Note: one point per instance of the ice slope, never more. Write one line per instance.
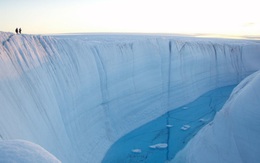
(234, 134)
(19, 151)
(75, 95)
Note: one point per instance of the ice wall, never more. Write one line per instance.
(233, 136)
(76, 95)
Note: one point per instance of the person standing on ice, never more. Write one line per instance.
(16, 30)
(20, 30)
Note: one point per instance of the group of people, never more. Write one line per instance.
(20, 30)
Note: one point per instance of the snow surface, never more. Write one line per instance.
(234, 134)
(20, 151)
(75, 95)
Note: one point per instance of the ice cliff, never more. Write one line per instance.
(75, 95)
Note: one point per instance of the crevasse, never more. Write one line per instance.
(76, 95)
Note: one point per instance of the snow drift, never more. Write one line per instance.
(234, 134)
(76, 95)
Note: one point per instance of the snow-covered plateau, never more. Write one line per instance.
(76, 95)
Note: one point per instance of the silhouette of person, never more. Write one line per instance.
(16, 30)
(20, 30)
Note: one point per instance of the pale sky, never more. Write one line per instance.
(229, 17)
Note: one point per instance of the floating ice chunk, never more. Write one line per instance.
(159, 146)
(203, 120)
(185, 127)
(136, 150)
(163, 145)
(185, 107)
(169, 126)
(152, 146)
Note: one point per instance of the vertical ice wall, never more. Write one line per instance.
(31, 96)
(76, 95)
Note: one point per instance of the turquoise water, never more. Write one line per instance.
(171, 131)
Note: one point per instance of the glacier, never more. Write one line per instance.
(75, 95)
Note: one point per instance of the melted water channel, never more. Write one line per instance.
(160, 140)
